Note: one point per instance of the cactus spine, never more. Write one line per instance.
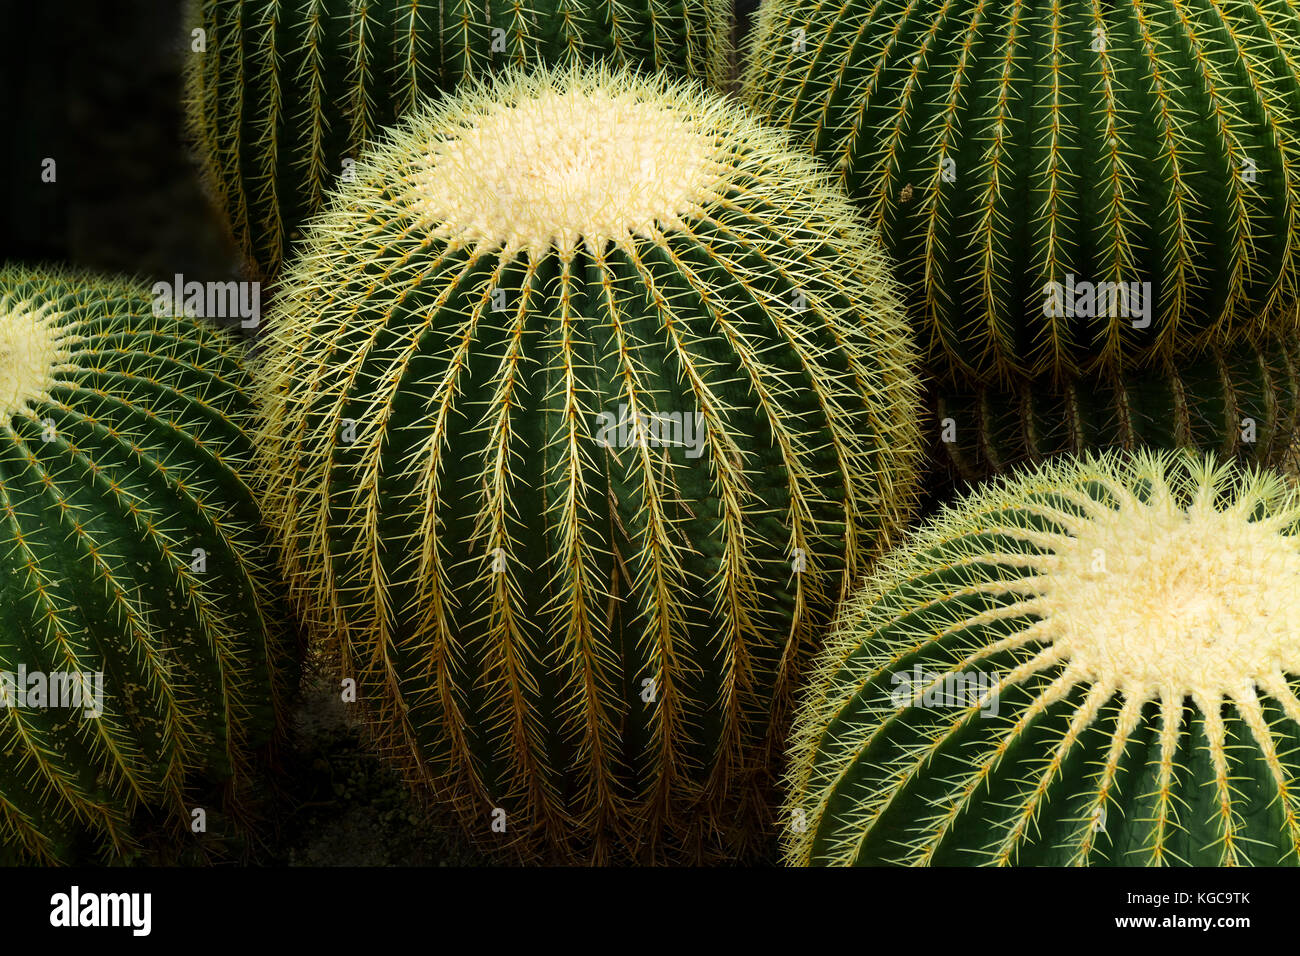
(1009, 152)
(557, 612)
(129, 549)
(1094, 663)
(287, 92)
(1238, 402)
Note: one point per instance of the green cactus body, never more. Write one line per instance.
(588, 627)
(128, 549)
(1009, 152)
(1238, 402)
(287, 92)
(1093, 663)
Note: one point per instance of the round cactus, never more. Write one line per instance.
(1066, 187)
(583, 406)
(1093, 663)
(138, 655)
(283, 94)
(1239, 402)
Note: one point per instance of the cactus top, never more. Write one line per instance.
(1149, 578)
(1151, 597)
(33, 345)
(549, 166)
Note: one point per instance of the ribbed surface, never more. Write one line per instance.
(107, 487)
(289, 89)
(1058, 756)
(1241, 402)
(517, 678)
(1000, 147)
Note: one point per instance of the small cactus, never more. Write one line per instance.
(1096, 662)
(284, 94)
(583, 406)
(1240, 402)
(130, 556)
(1067, 187)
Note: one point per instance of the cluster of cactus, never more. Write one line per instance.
(133, 568)
(1093, 663)
(578, 421)
(1020, 158)
(1239, 402)
(587, 395)
(284, 94)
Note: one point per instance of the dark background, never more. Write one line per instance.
(96, 86)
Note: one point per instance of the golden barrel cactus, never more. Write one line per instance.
(1094, 663)
(583, 405)
(143, 647)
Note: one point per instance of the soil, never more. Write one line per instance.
(340, 804)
